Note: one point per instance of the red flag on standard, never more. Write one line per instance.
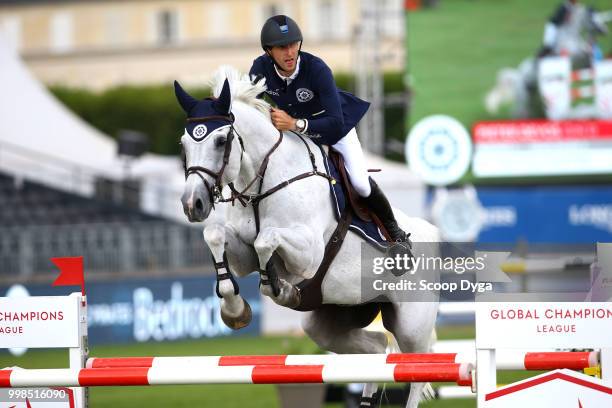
(71, 272)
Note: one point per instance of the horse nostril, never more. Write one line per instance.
(199, 204)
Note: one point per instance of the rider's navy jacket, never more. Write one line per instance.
(313, 95)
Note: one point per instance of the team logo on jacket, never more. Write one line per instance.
(304, 94)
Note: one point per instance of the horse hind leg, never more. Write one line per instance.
(235, 310)
(340, 330)
(412, 325)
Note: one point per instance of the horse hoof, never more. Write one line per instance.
(238, 322)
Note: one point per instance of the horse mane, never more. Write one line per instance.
(242, 89)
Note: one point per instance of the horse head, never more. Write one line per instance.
(211, 151)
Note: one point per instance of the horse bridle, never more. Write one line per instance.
(214, 191)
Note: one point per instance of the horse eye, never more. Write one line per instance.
(220, 141)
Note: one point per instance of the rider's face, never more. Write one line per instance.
(285, 56)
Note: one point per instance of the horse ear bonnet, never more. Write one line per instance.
(194, 108)
(186, 101)
(223, 103)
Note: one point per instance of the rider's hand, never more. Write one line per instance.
(281, 120)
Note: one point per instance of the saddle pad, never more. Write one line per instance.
(367, 230)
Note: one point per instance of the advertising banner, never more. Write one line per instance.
(542, 148)
(546, 214)
(160, 309)
(534, 325)
(46, 321)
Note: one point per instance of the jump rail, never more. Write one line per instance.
(241, 374)
(526, 361)
(452, 366)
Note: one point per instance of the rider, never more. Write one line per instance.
(303, 88)
(561, 18)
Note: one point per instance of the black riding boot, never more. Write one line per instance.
(378, 203)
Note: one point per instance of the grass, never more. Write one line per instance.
(210, 395)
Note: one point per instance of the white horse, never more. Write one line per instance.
(295, 223)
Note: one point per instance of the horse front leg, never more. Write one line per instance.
(235, 310)
(296, 249)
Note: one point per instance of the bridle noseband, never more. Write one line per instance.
(214, 191)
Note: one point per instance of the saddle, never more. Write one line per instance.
(354, 200)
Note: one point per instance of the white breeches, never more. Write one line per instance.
(354, 162)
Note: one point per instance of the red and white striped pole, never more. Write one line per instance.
(521, 361)
(311, 359)
(238, 374)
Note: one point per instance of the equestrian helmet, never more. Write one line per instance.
(279, 30)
